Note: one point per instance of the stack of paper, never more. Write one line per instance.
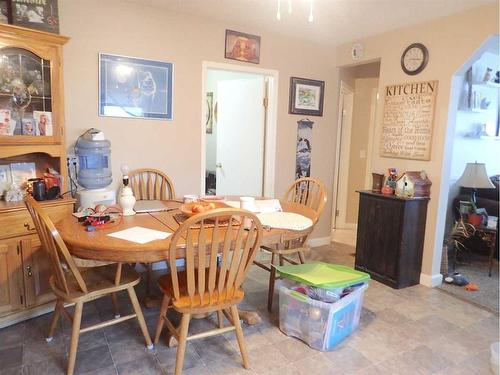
(140, 235)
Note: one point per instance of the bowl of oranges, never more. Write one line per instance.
(194, 208)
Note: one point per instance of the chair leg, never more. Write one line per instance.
(75, 335)
(161, 320)
(239, 336)
(302, 257)
(116, 307)
(140, 317)
(55, 319)
(272, 279)
(181, 347)
(149, 271)
(220, 318)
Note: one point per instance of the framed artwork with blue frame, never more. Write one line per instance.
(135, 88)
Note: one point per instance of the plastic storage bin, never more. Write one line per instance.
(320, 324)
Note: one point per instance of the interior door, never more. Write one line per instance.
(240, 137)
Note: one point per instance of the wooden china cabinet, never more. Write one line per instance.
(30, 80)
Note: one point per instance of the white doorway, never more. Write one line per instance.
(358, 98)
(238, 130)
(346, 103)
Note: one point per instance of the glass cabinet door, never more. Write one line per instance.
(25, 94)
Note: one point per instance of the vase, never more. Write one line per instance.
(127, 201)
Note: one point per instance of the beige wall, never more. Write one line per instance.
(451, 41)
(360, 130)
(127, 29)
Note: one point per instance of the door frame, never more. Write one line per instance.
(340, 174)
(271, 120)
(371, 131)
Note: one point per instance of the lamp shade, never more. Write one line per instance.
(475, 177)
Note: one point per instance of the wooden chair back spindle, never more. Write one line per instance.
(210, 280)
(309, 192)
(61, 260)
(151, 184)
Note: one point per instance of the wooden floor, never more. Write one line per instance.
(412, 331)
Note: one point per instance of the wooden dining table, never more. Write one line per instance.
(99, 246)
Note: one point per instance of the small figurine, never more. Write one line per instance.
(392, 177)
(14, 194)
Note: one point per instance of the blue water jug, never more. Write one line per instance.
(94, 160)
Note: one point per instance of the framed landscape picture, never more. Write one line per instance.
(135, 88)
(306, 96)
(242, 47)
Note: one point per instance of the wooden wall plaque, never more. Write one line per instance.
(408, 120)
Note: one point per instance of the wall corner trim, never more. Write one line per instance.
(431, 280)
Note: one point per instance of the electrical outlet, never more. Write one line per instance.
(71, 158)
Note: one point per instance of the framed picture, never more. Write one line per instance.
(135, 88)
(7, 125)
(43, 122)
(5, 178)
(5, 11)
(306, 96)
(21, 173)
(40, 15)
(209, 123)
(28, 126)
(242, 47)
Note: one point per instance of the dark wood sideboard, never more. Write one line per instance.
(390, 238)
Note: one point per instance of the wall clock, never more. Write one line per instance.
(414, 59)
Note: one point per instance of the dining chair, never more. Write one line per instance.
(307, 192)
(150, 184)
(74, 286)
(218, 249)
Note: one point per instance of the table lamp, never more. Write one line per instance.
(475, 177)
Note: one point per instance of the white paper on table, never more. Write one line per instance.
(285, 220)
(140, 235)
(261, 205)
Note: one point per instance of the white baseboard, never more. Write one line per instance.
(431, 280)
(319, 241)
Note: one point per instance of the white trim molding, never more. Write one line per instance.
(431, 280)
(319, 241)
(271, 123)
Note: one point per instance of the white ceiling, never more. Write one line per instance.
(335, 21)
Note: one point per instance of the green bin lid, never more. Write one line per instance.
(323, 275)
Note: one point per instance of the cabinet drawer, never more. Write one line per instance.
(19, 223)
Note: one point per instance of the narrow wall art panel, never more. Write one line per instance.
(304, 149)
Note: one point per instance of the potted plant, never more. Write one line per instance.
(460, 232)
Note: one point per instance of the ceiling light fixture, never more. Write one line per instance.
(290, 9)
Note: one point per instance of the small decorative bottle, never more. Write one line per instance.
(126, 199)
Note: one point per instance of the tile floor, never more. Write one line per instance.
(412, 331)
